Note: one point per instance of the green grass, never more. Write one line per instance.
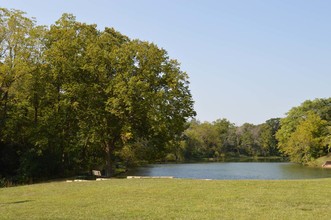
(169, 199)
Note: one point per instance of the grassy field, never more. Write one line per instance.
(169, 199)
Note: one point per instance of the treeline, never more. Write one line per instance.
(74, 98)
(223, 139)
(303, 135)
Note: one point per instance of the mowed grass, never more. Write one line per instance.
(169, 199)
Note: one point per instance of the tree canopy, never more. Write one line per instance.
(75, 98)
(222, 139)
(305, 131)
(79, 98)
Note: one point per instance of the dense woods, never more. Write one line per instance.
(222, 139)
(74, 98)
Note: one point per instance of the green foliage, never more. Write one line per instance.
(223, 139)
(267, 138)
(202, 141)
(75, 98)
(304, 132)
(306, 142)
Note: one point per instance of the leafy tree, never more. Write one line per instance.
(15, 46)
(226, 132)
(202, 141)
(327, 139)
(150, 98)
(67, 89)
(306, 142)
(267, 137)
(315, 115)
(248, 139)
(223, 139)
(21, 49)
(73, 97)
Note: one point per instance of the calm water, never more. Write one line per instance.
(233, 170)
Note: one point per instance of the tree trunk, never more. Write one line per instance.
(5, 99)
(35, 105)
(109, 160)
(35, 115)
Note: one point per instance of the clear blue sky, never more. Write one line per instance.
(248, 60)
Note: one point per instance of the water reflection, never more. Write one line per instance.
(233, 170)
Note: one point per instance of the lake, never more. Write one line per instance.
(232, 171)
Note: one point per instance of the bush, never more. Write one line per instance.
(5, 182)
(170, 157)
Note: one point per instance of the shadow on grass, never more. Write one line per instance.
(16, 202)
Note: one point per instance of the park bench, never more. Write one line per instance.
(96, 173)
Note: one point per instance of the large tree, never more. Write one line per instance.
(120, 90)
(75, 97)
(21, 49)
(303, 133)
(16, 67)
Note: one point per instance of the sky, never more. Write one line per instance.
(248, 60)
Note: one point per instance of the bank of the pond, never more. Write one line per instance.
(320, 161)
(241, 158)
(168, 199)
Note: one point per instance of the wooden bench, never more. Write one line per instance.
(96, 173)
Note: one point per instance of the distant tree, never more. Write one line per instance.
(203, 141)
(226, 133)
(267, 137)
(222, 138)
(247, 139)
(327, 139)
(308, 121)
(306, 142)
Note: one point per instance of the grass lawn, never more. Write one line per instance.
(169, 199)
